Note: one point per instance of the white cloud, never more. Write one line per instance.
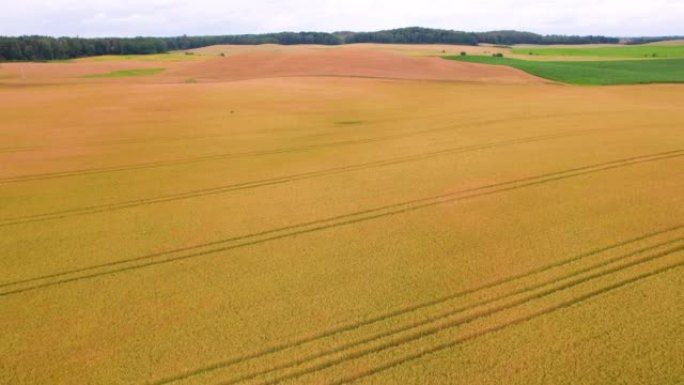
(175, 17)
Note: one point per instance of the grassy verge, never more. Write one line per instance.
(627, 52)
(127, 73)
(593, 72)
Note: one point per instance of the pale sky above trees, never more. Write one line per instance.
(91, 18)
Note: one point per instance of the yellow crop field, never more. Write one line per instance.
(433, 222)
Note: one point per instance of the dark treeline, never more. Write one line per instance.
(413, 35)
(517, 37)
(646, 40)
(39, 48)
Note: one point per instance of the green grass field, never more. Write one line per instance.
(593, 72)
(128, 73)
(632, 51)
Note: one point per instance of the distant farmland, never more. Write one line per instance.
(630, 51)
(358, 214)
(127, 73)
(593, 72)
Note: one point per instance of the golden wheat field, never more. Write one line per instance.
(234, 221)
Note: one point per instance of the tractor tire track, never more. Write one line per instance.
(94, 209)
(459, 322)
(18, 149)
(200, 159)
(493, 329)
(348, 219)
(406, 310)
(445, 315)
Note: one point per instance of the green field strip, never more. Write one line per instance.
(630, 51)
(592, 72)
(127, 73)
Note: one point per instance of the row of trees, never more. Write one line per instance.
(412, 35)
(517, 37)
(40, 48)
(37, 48)
(646, 40)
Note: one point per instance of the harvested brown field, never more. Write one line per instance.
(28, 74)
(365, 63)
(418, 50)
(337, 216)
(265, 63)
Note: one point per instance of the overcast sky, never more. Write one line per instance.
(91, 18)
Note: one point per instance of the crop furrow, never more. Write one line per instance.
(200, 159)
(493, 329)
(103, 208)
(358, 217)
(407, 310)
(459, 322)
(446, 315)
